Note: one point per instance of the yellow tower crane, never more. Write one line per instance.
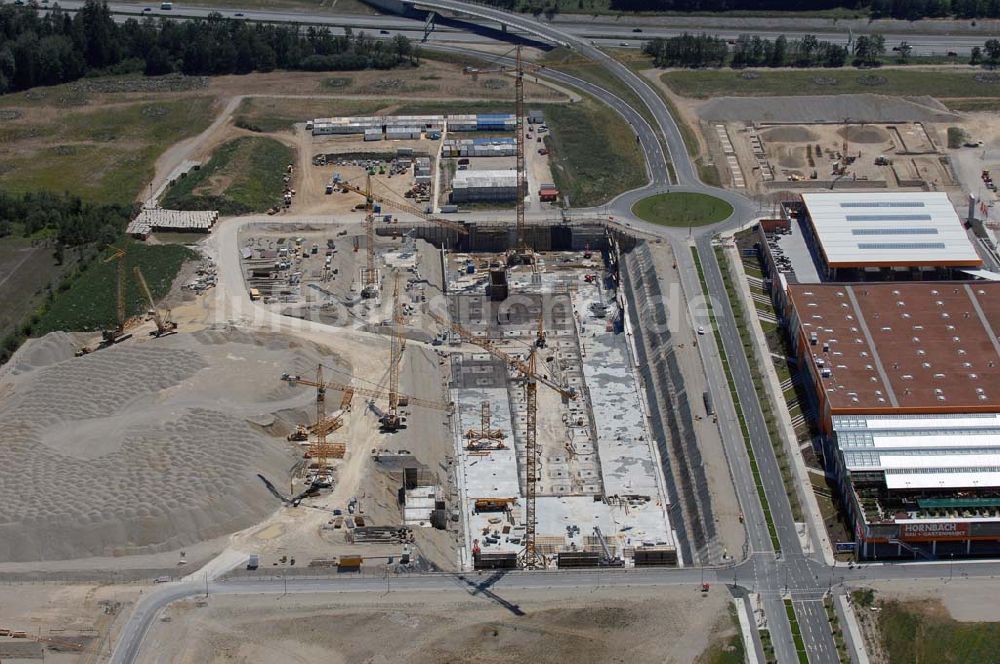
(522, 253)
(392, 421)
(529, 371)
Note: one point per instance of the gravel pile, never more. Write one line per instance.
(142, 447)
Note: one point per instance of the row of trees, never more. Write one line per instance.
(58, 48)
(731, 5)
(753, 51)
(912, 10)
(69, 220)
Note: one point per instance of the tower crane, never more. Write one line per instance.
(485, 438)
(402, 400)
(404, 207)
(528, 370)
(370, 276)
(522, 252)
(164, 325)
(392, 421)
(320, 450)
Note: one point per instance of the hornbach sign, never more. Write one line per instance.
(933, 531)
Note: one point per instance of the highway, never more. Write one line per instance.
(603, 31)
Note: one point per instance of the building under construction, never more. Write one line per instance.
(600, 491)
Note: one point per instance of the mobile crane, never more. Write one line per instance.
(164, 325)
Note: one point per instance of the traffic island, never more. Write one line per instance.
(682, 209)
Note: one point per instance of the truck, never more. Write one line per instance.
(167, 6)
(253, 562)
(449, 209)
(349, 563)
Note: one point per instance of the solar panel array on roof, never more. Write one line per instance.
(894, 231)
(839, 219)
(901, 245)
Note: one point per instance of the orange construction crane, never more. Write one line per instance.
(164, 325)
(402, 400)
(529, 372)
(319, 450)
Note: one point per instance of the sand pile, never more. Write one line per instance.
(867, 134)
(144, 447)
(790, 134)
(35, 353)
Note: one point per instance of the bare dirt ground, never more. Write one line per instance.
(725, 507)
(581, 626)
(75, 614)
(966, 600)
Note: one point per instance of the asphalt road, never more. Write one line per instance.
(605, 31)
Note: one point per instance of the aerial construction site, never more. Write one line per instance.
(413, 362)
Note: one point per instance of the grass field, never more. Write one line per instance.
(268, 114)
(102, 153)
(593, 152)
(987, 104)
(569, 62)
(26, 272)
(703, 84)
(243, 176)
(682, 209)
(455, 108)
(89, 303)
(916, 632)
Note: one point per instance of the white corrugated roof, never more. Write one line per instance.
(941, 461)
(885, 228)
(485, 179)
(924, 422)
(947, 441)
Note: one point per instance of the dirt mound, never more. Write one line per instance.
(143, 447)
(867, 134)
(790, 134)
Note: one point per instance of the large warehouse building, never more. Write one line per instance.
(858, 232)
(866, 236)
(473, 186)
(906, 380)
